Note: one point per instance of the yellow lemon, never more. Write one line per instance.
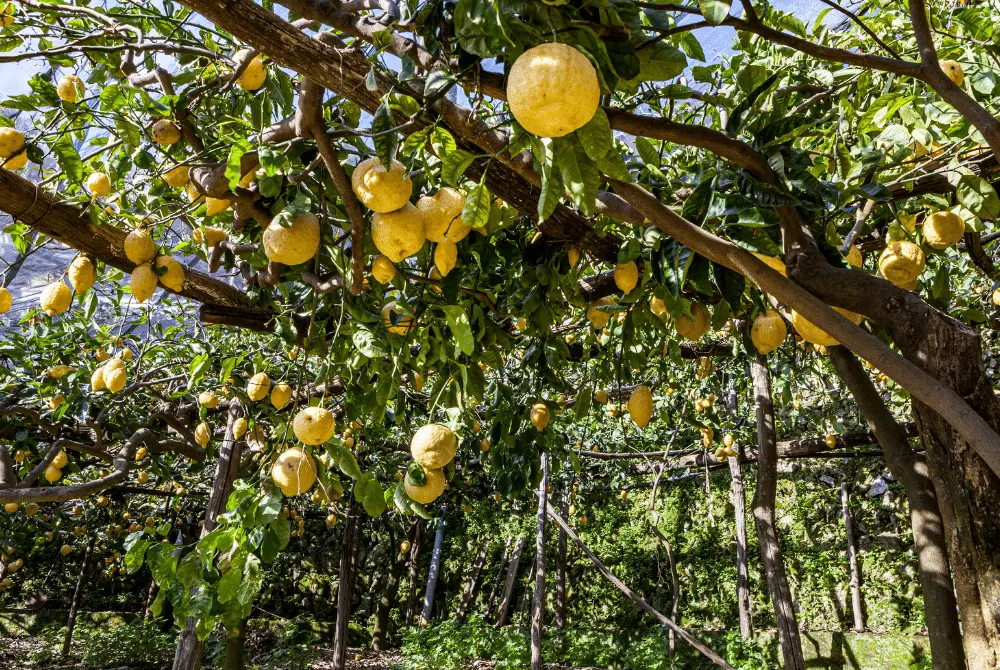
(694, 326)
(56, 298)
(381, 190)
(143, 282)
(255, 73)
(294, 472)
(404, 324)
(640, 405)
(831, 440)
(203, 434)
(430, 491)
(139, 246)
(854, 257)
(6, 300)
(60, 371)
(433, 446)
(165, 132)
(55, 401)
(115, 375)
(573, 256)
(774, 263)
(810, 333)
(295, 244)
(81, 274)
(314, 425)
(442, 215)
(768, 331)
(901, 262)
(954, 71)
(52, 474)
(445, 257)
(98, 184)
(11, 142)
(239, 428)
(215, 206)
(943, 229)
(97, 380)
(539, 416)
(258, 386)
(281, 395)
(208, 399)
(597, 318)
(552, 90)
(626, 276)
(173, 278)
(601, 396)
(69, 88)
(212, 236)
(398, 234)
(177, 176)
(656, 306)
(383, 270)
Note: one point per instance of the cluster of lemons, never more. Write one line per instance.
(432, 447)
(57, 296)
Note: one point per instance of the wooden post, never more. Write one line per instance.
(529, 587)
(345, 588)
(472, 585)
(411, 595)
(74, 605)
(538, 606)
(675, 583)
(738, 498)
(508, 588)
(852, 558)
(390, 589)
(561, 569)
(763, 512)
(494, 591)
(432, 574)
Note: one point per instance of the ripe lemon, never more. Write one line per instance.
(143, 282)
(115, 375)
(901, 262)
(215, 206)
(445, 257)
(239, 428)
(98, 184)
(573, 256)
(16, 162)
(203, 434)
(774, 263)
(768, 331)
(381, 190)
(208, 399)
(52, 474)
(60, 371)
(11, 143)
(539, 416)
(193, 194)
(56, 298)
(97, 380)
(69, 88)
(81, 274)
(139, 246)
(55, 401)
(173, 278)
(552, 90)
(399, 234)
(433, 446)
(707, 436)
(430, 491)
(597, 318)
(382, 269)
(626, 277)
(954, 71)
(61, 459)
(728, 440)
(6, 300)
(442, 214)
(295, 244)
(656, 306)
(255, 73)
(281, 395)
(601, 396)
(943, 229)
(258, 386)
(640, 405)
(177, 176)
(314, 425)
(811, 333)
(831, 440)
(854, 257)
(212, 236)
(294, 472)
(404, 547)
(695, 326)
(165, 132)
(405, 321)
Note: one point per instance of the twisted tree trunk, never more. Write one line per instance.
(74, 605)
(852, 559)
(538, 605)
(508, 589)
(390, 590)
(738, 497)
(345, 587)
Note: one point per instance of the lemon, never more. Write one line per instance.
(55, 401)
(774, 263)
(193, 194)
(11, 143)
(552, 90)
(7, 14)
(573, 256)
(281, 395)
(215, 206)
(139, 246)
(854, 257)
(442, 214)
(165, 132)
(694, 326)
(143, 282)
(943, 229)
(626, 276)
(61, 459)
(430, 491)
(314, 425)
(239, 428)
(601, 396)
(15, 162)
(954, 71)
(173, 278)
(203, 434)
(81, 274)
(539, 416)
(831, 440)
(69, 88)
(6, 300)
(208, 399)
(597, 318)
(656, 306)
(707, 436)
(255, 73)
(811, 333)
(115, 375)
(433, 446)
(60, 371)
(177, 176)
(294, 472)
(98, 184)
(97, 380)
(383, 270)
(728, 440)
(405, 321)
(445, 257)
(56, 298)
(212, 236)
(258, 386)
(901, 262)
(295, 244)
(768, 331)
(640, 405)
(399, 234)
(381, 190)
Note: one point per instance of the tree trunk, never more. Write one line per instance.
(738, 497)
(74, 605)
(561, 569)
(763, 512)
(508, 588)
(345, 587)
(538, 604)
(495, 590)
(411, 596)
(852, 559)
(390, 589)
(675, 583)
(929, 539)
(472, 585)
(432, 574)
(529, 587)
(147, 612)
(235, 646)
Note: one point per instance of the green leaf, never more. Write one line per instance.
(230, 582)
(415, 475)
(595, 137)
(384, 135)
(136, 552)
(715, 11)
(367, 343)
(438, 82)
(454, 165)
(661, 62)
(282, 530)
(552, 186)
(236, 152)
(461, 330)
(476, 211)
(979, 196)
(368, 492)
(579, 174)
(68, 158)
(478, 28)
(197, 368)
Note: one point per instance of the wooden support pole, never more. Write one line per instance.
(561, 569)
(738, 497)
(852, 558)
(472, 585)
(432, 573)
(345, 588)
(495, 590)
(508, 588)
(411, 595)
(390, 589)
(74, 605)
(538, 602)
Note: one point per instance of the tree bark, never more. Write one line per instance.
(74, 605)
(235, 646)
(929, 537)
(508, 588)
(538, 604)
(738, 497)
(472, 585)
(345, 588)
(432, 574)
(495, 590)
(560, 613)
(852, 559)
(763, 512)
(390, 590)
(411, 596)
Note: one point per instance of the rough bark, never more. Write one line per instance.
(763, 512)
(508, 589)
(738, 497)
(74, 605)
(495, 590)
(390, 591)
(560, 613)
(538, 603)
(345, 587)
(432, 574)
(852, 559)
(411, 596)
(235, 646)
(929, 537)
(472, 584)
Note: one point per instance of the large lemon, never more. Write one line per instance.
(405, 321)
(115, 375)
(943, 229)
(901, 262)
(81, 274)
(294, 472)
(433, 446)
(383, 270)
(442, 214)
(281, 395)
(445, 257)
(258, 386)
(768, 331)
(597, 318)
(11, 142)
(381, 190)
(173, 278)
(203, 434)
(165, 132)
(255, 73)
(139, 246)
(295, 244)
(810, 333)
(640, 405)
(98, 184)
(954, 71)
(69, 88)
(143, 282)
(314, 425)
(56, 298)
(626, 276)
(430, 491)
(552, 90)
(399, 234)
(6, 300)
(97, 380)
(694, 326)
(212, 236)
(177, 176)
(539, 416)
